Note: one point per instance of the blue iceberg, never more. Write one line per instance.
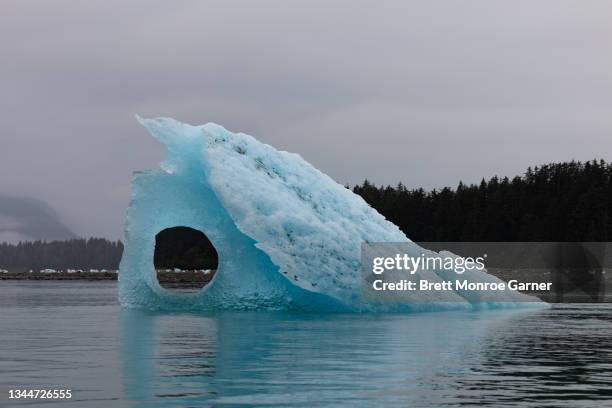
(288, 236)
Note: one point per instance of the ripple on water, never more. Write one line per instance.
(74, 335)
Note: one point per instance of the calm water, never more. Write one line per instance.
(74, 335)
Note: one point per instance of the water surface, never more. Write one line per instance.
(74, 335)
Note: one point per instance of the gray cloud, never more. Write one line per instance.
(29, 218)
(423, 92)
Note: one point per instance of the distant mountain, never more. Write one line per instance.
(29, 218)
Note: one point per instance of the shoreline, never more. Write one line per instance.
(162, 276)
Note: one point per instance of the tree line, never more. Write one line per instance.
(564, 202)
(92, 253)
(561, 202)
(177, 247)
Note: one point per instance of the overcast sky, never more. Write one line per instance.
(423, 92)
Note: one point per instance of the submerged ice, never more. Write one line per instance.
(287, 235)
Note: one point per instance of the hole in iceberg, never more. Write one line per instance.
(185, 260)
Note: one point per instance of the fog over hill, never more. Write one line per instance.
(25, 218)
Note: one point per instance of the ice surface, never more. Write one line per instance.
(287, 235)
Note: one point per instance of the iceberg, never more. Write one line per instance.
(287, 235)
